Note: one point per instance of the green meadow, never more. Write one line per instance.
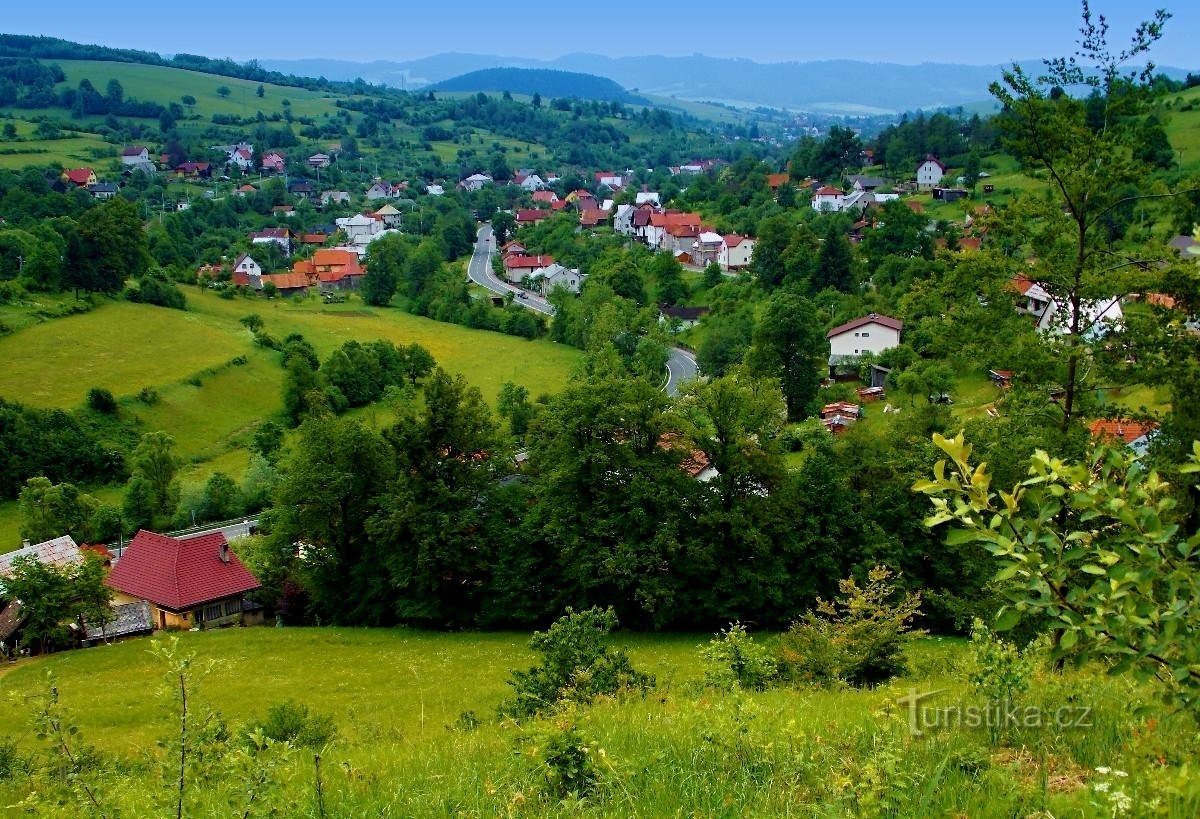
(417, 734)
(214, 385)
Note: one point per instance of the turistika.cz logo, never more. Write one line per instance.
(923, 716)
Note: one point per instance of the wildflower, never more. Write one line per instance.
(1103, 770)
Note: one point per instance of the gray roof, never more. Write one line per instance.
(61, 551)
(128, 618)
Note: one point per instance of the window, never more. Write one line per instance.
(212, 612)
(232, 607)
(866, 335)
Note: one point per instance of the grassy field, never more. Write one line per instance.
(161, 84)
(76, 149)
(403, 749)
(210, 404)
(1183, 127)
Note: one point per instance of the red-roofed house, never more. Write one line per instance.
(777, 180)
(531, 216)
(828, 199)
(736, 252)
(135, 155)
(545, 197)
(332, 269)
(273, 162)
(80, 177)
(872, 333)
(195, 582)
(1134, 434)
(592, 217)
(287, 284)
(519, 266)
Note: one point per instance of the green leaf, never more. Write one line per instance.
(1069, 639)
(1008, 618)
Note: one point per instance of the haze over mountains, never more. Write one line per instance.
(828, 86)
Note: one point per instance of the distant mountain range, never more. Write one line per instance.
(547, 82)
(828, 86)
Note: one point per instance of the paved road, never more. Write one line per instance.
(681, 365)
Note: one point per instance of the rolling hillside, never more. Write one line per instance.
(542, 81)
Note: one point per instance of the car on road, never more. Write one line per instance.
(522, 295)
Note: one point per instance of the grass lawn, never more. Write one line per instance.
(1183, 127)
(396, 697)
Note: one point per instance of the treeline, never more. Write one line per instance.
(948, 137)
(53, 48)
(55, 444)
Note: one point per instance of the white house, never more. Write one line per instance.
(870, 334)
(828, 199)
(246, 264)
(1054, 316)
(643, 197)
(929, 173)
(706, 248)
(279, 236)
(359, 229)
(434, 190)
(623, 220)
(242, 157)
(554, 276)
(382, 190)
(135, 155)
(533, 182)
(736, 252)
(475, 182)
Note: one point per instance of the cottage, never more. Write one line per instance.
(518, 267)
(319, 161)
(1052, 315)
(544, 197)
(103, 190)
(555, 276)
(194, 170)
(284, 211)
(278, 235)
(135, 155)
(242, 157)
(681, 317)
(389, 215)
(80, 177)
(188, 583)
(302, 187)
(829, 199)
(360, 229)
(1136, 435)
(592, 217)
(273, 163)
(645, 197)
(246, 190)
(334, 198)
(475, 182)
(929, 173)
(247, 272)
(872, 333)
(736, 252)
(435, 190)
(532, 182)
(332, 269)
(60, 551)
(287, 284)
(775, 181)
(866, 183)
(610, 180)
(530, 216)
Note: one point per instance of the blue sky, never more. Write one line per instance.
(764, 30)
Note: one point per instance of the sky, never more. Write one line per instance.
(964, 31)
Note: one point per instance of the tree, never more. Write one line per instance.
(513, 404)
(223, 91)
(113, 241)
(416, 362)
(154, 462)
(767, 262)
(260, 91)
(712, 275)
(114, 93)
(971, 170)
(222, 498)
(668, 274)
(268, 439)
(504, 225)
(386, 262)
(790, 345)
(537, 100)
(188, 100)
(834, 265)
(1093, 551)
(1084, 149)
(51, 510)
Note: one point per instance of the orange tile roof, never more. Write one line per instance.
(1123, 429)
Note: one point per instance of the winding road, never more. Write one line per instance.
(681, 365)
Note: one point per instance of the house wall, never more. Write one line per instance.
(735, 258)
(870, 338)
(928, 175)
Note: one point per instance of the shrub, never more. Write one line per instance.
(733, 658)
(565, 758)
(148, 396)
(576, 665)
(1001, 671)
(101, 400)
(10, 762)
(292, 722)
(859, 639)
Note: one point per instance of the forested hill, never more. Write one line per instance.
(543, 81)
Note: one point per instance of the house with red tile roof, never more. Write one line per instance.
(592, 217)
(80, 177)
(872, 333)
(332, 269)
(531, 216)
(736, 252)
(1132, 433)
(518, 266)
(287, 284)
(829, 199)
(195, 582)
(545, 197)
(929, 173)
(777, 180)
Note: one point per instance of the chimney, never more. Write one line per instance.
(25, 544)
(223, 552)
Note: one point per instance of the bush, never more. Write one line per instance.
(10, 762)
(565, 758)
(859, 640)
(733, 658)
(576, 665)
(101, 400)
(148, 396)
(292, 722)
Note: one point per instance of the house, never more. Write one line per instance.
(513, 247)
(1134, 434)
(80, 177)
(247, 272)
(544, 197)
(59, 551)
(273, 163)
(194, 170)
(736, 252)
(592, 217)
(693, 461)
(608, 179)
(280, 236)
(707, 247)
(332, 269)
(135, 155)
(246, 190)
(382, 190)
(929, 173)
(287, 284)
(666, 230)
(389, 216)
(828, 199)
(359, 228)
(872, 333)
(435, 190)
(195, 582)
(556, 276)
(518, 267)
(949, 194)
(532, 182)
(866, 183)
(1054, 316)
(314, 238)
(103, 190)
(319, 161)
(531, 216)
(283, 211)
(645, 197)
(687, 317)
(475, 182)
(1186, 246)
(242, 157)
(302, 187)
(334, 198)
(1001, 378)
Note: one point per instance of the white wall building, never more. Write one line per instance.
(870, 334)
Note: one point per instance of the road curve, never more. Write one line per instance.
(681, 365)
